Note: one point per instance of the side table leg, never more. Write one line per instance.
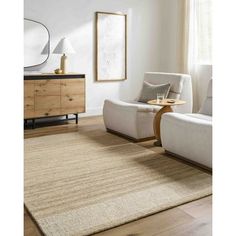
(157, 123)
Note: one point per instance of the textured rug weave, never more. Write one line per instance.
(82, 183)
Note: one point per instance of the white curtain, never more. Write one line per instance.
(197, 43)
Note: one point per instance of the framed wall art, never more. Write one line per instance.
(111, 46)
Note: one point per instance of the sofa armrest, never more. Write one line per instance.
(187, 136)
(183, 120)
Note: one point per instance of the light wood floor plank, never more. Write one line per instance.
(199, 209)
(151, 225)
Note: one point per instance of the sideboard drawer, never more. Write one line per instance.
(72, 104)
(29, 103)
(72, 86)
(47, 112)
(28, 114)
(47, 102)
(28, 99)
(47, 87)
(28, 89)
(71, 101)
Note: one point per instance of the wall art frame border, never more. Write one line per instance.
(97, 49)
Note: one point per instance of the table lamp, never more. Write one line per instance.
(64, 47)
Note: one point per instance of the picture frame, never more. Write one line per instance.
(111, 46)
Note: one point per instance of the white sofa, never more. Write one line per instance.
(190, 135)
(134, 119)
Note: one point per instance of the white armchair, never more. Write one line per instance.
(134, 119)
(190, 135)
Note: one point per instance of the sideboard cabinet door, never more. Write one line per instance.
(72, 96)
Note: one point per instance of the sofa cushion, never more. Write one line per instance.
(149, 91)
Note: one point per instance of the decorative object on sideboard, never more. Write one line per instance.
(111, 46)
(64, 47)
(58, 71)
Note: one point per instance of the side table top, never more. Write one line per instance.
(167, 102)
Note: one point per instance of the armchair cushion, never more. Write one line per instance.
(149, 91)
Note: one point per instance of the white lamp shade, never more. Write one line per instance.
(64, 46)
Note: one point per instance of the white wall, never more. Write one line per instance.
(205, 74)
(76, 19)
(170, 14)
(170, 31)
(154, 41)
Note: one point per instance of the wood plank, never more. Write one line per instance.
(28, 89)
(72, 101)
(199, 209)
(28, 114)
(198, 227)
(28, 82)
(152, 225)
(29, 103)
(28, 99)
(47, 112)
(44, 82)
(72, 86)
(29, 227)
(73, 110)
(47, 87)
(47, 102)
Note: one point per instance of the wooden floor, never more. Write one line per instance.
(191, 219)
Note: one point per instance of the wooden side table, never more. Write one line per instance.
(166, 107)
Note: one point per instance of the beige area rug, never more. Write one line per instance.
(86, 182)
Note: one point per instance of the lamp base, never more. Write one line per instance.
(63, 63)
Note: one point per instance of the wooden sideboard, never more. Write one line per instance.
(47, 95)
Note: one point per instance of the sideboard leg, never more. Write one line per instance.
(76, 118)
(67, 117)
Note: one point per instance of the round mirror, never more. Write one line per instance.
(36, 43)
